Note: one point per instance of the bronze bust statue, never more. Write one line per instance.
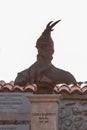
(43, 73)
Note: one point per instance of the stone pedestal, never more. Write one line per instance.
(44, 112)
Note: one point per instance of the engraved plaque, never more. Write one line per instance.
(14, 111)
(14, 102)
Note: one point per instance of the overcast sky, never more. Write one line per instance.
(23, 21)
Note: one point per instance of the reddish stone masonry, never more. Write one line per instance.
(59, 88)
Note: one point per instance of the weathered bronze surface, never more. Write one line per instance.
(43, 73)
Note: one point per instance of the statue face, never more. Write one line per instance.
(45, 49)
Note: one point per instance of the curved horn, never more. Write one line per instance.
(54, 24)
(49, 27)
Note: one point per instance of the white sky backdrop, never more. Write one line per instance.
(23, 21)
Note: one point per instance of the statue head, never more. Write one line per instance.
(45, 44)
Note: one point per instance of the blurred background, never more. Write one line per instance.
(23, 21)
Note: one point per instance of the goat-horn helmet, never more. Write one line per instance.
(45, 38)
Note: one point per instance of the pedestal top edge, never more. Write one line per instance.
(44, 97)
